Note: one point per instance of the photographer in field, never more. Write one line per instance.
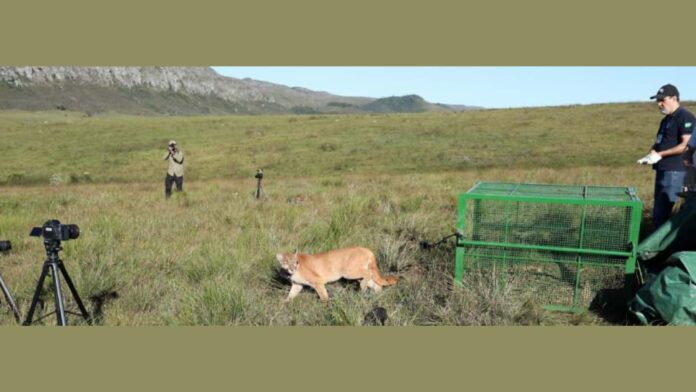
(666, 154)
(175, 170)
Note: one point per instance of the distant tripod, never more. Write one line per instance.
(10, 301)
(55, 265)
(259, 188)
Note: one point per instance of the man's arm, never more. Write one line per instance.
(676, 150)
(179, 155)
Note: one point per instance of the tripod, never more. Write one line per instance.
(259, 188)
(55, 265)
(10, 301)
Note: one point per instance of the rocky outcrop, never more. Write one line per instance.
(188, 80)
(169, 90)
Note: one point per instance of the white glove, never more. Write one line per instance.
(650, 159)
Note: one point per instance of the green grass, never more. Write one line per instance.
(206, 257)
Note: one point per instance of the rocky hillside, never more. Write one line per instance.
(175, 91)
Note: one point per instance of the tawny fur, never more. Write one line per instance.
(316, 270)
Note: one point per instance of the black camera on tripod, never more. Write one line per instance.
(53, 230)
(259, 174)
(5, 246)
(53, 233)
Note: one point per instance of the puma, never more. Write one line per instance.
(316, 270)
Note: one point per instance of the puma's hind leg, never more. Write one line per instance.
(374, 286)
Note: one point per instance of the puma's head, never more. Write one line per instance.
(288, 261)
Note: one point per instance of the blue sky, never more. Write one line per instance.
(491, 87)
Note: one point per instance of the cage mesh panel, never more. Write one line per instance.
(607, 228)
(536, 223)
(540, 215)
(547, 277)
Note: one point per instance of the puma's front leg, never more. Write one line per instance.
(294, 290)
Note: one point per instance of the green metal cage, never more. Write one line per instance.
(563, 243)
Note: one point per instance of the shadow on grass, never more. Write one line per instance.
(98, 302)
(377, 316)
(611, 305)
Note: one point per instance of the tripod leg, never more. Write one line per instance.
(10, 301)
(60, 311)
(37, 294)
(75, 295)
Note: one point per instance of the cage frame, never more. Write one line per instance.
(632, 202)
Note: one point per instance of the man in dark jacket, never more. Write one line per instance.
(666, 154)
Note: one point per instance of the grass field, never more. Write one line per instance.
(207, 256)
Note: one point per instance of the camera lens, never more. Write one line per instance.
(73, 231)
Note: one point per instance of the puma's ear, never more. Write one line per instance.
(280, 257)
(296, 251)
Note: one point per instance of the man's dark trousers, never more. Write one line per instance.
(168, 184)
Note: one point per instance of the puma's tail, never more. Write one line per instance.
(379, 279)
(386, 281)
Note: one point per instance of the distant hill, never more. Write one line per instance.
(178, 91)
(407, 103)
